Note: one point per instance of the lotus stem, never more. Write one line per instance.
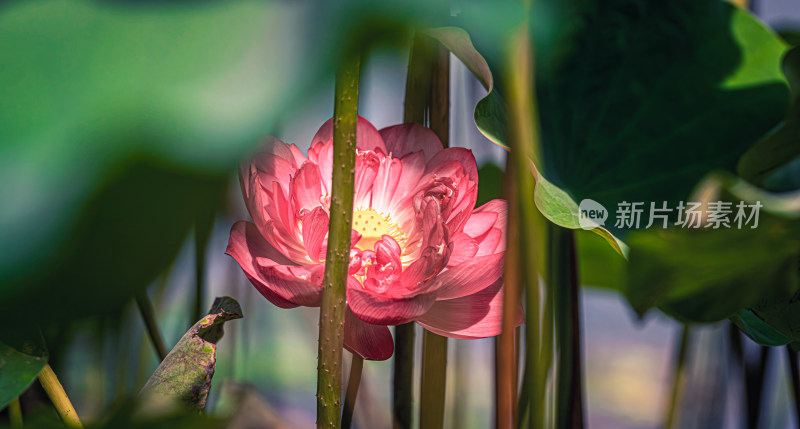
(795, 372)
(527, 244)
(677, 381)
(353, 382)
(202, 233)
(334, 282)
(402, 394)
(563, 280)
(434, 381)
(433, 385)
(148, 316)
(59, 397)
(15, 413)
(417, 100)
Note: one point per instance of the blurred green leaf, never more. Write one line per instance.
(119, 125)
(774, 162)
(126, 234)
(186, 372)
(638, 100)
(21, 360)
(706, 275)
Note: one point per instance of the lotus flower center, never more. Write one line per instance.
(373, 226)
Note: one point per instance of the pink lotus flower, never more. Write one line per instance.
(420, 251)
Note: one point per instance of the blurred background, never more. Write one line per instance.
(628, 361)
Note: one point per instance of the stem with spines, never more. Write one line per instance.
(334, 283)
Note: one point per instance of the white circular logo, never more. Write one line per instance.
(591, 214)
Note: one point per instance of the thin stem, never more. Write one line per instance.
(434, 347)
(792, 355)
(148, 316)
(737, 355)
(59, 397)
(461, 385)
(505, 368)
(754, 386)
(417, 100)
(440, 93)
(677, 381)
(202, 231)
(434, 381)
(353, 382)
(15, 413)
(332, 305)
(524, 402)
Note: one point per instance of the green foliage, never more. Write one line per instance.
(706, 275)
(639, 100)
(774, 162)
(21, 360)
(186, 372)
(654, 95)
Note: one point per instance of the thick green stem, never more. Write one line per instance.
(148, 316)
(434, 381)
(59, 397)
(678, 380)
(527, 237)
(356, 367)
(15, 413)
(334, 282)
(563, 280)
